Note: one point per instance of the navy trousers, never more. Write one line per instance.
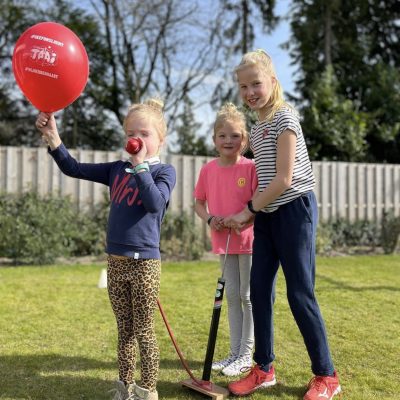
(286, 237)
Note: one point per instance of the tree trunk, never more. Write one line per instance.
(245, 39)
(328, 34)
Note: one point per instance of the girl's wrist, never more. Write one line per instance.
(53, 143)
(136, 161)
(138, 168)
(250, 208)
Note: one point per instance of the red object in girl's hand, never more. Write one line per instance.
(133, 145)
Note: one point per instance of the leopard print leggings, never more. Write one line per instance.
(133, 288)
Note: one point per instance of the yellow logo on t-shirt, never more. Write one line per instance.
(241, 182)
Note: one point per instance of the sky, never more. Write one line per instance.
(280, 57)
(271, 43)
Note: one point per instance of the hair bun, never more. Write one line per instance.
(155, 102)
(261, 51)
(227, 108)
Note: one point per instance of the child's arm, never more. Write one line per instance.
(156, 192)
(200, 207)
(286, 151)
(99, 172)
(46, 124)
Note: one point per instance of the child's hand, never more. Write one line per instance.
(238, 221)
(46, 124)
(229, 225)
(140, 156)
(217, 223)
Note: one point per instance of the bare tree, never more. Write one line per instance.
(157, 47)
(243, 20)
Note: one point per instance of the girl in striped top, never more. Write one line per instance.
(286, 217)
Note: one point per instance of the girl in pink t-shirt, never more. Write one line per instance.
(224, 187)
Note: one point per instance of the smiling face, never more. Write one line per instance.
(229, 140)
(145, 128)
(256, 88)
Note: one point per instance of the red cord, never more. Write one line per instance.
(183, 361)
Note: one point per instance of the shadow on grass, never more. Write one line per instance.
(56, 376)
(52, 376)
(170, 390)
(280, 389)
(343, 285)
(176, 364)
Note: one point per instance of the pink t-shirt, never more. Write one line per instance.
(227, 191)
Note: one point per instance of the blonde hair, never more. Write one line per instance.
(260, 59)
(229, 112)
(152, 109)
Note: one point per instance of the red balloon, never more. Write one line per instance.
(50, 65)
(133, 145)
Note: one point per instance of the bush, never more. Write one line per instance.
(89, 237)
(37, 230)
(180, 239)
(323, 243)
(348, 236)
(31, 227)
(390, 232)
(344, 233)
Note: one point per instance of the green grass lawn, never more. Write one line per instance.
(58, 334)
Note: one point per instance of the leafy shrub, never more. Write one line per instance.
(37, 230)
(323, 243)
(390, 232)
(33, 230)
(89, 237)
(180, 239)
(345, 235)
(358, 233)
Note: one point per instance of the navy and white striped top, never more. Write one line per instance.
(263, 141)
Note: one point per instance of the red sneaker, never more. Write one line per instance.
(257, 378)
(323, 387)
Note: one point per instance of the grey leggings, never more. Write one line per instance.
(237, 288)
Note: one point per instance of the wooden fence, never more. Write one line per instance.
(353, 191)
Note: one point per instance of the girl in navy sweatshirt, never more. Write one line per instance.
(140, 190)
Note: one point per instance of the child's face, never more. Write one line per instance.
(255, 87)
(229, 140)
(142, 127)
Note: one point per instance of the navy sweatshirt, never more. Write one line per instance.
(138, 202)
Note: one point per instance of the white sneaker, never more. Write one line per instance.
(122, 391)
(220, 365)
(240, 365)
(140, 393)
